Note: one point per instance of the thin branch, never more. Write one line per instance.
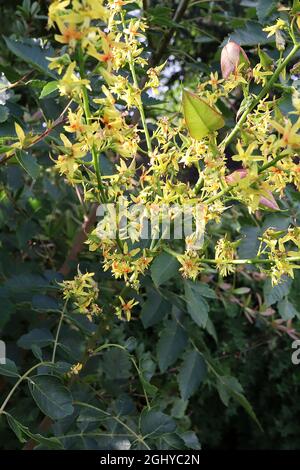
(260, 96)
(79, 241)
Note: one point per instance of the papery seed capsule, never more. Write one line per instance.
(280, 41)
(236, 175)
(232, 56)
(268, 200)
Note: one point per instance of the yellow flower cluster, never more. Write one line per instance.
(106, 120)
(83, 292)
(283, 259)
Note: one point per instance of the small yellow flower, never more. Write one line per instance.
(75, 369)
(70, 84)
(126, 308)
(224, 253)
(246, 155)
(271, 30)
(290, 133)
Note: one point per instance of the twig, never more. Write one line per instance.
(78, 243)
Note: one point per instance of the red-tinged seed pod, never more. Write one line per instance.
(232, 56)
(236, 175)
(268, 200)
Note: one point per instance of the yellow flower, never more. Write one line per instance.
(224, 253)
(91, 10)
(67, 162)
(290, 135)
(70, 84)
(259, 75)
(69, 34)
(190, 266)
(271, 30)
(75, 369)
(77, 125)
(56, 7)
(133, 29)
(126, 308)
(214, 80)
(246, 155)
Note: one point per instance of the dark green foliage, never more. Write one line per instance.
(198, 365)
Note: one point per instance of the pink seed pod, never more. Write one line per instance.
(268, 200)
(232, 56)
(236, 175)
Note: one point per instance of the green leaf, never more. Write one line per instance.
(201, 118)
(9, 369)
(23, 433)
(45, 303)
(179, 408)
(249, 35)
(241, 290)
(4, 112)
(295, 7)
(116, 364)
(24, 284)
(264, 8)
(149, 388)
(273, 294)
(28, 162)
(164, 268)
(40, 337)
(197, 306)
(155, 423)
(171, 343)
(264, 58)
(249, 244)
(191, 440)
(286, 309)
(204, 290)
(53, 399)
(32, 53)
(230, 387)
(160, 16)
(191, 374)
(154, 309)
(49, 88)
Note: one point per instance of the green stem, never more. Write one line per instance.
(260, 170)
(88, 116)
(116, 418)
(260, 96)
(234, 261)
(270, 163)
(218, 196)
(118, 346)
(243, 118)
(58, 331)
(24, 376)
(136, 85)
(140, 107)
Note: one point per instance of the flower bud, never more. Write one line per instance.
(232, 56)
